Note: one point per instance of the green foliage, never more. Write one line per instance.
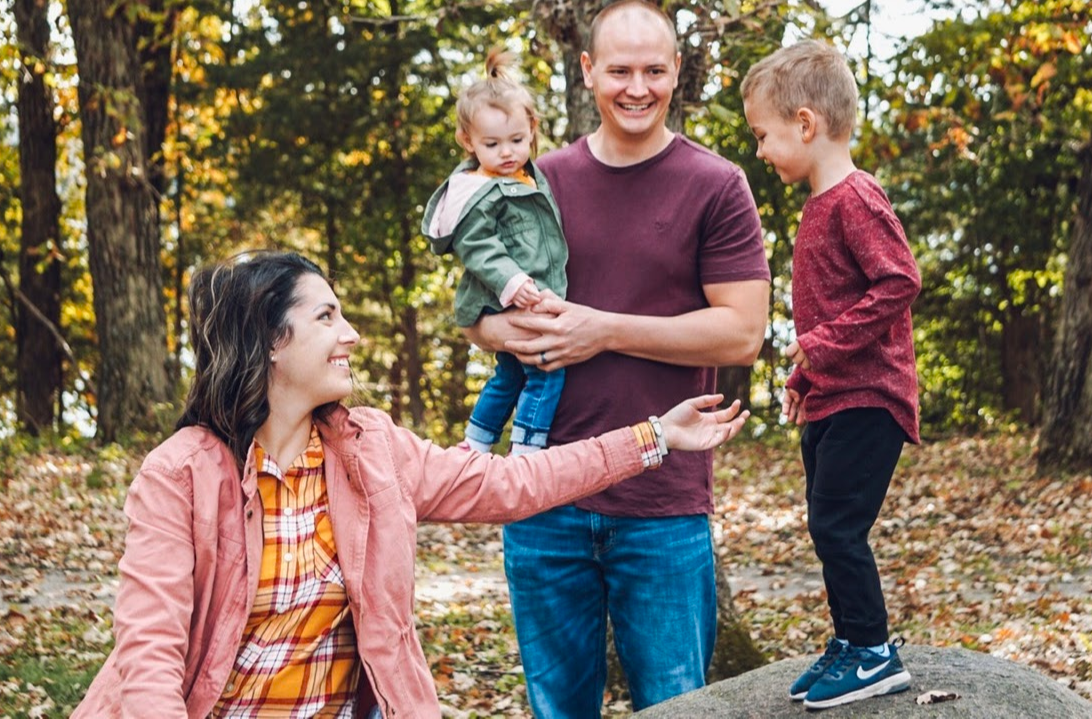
(986, 112)
(10, 215)
(324, 128)
(333, 126)
(10, 210)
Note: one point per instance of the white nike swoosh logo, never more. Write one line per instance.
(863, 674)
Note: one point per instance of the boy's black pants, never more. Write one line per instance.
(849, 458)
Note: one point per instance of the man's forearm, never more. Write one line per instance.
(729, 331)
(710, 337)
(492, 331)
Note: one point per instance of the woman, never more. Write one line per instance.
(268, 566)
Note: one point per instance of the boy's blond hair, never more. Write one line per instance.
(499, 89)
(808, 74)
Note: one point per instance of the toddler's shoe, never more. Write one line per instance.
(804, 682)
(859, 673)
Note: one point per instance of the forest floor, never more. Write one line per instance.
(975, 551)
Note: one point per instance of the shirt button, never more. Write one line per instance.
(229, 688)
(288, 511)
(288, 556)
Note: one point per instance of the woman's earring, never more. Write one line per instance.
(272, 357)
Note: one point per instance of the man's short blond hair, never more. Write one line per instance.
(808, 74)
(622, 5)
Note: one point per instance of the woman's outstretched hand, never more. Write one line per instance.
(686, 427)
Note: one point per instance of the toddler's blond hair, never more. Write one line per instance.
(498, 89)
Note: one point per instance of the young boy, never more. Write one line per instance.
(854, 379)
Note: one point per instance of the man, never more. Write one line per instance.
(668, 279)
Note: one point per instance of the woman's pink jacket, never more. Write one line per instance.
(189, 574)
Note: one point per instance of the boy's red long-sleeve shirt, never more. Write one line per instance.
(853, 282)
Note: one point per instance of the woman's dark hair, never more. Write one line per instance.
(238, 316)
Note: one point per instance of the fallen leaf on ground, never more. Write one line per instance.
(934, 696)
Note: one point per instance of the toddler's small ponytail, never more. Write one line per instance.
(497, 64)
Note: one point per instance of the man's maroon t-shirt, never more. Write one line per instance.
(642, 240)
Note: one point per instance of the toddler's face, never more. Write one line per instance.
(501, 141)
(780, 141)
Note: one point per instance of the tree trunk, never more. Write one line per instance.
(38, 372)
(407, 280)
(154, 89)
(693, 74)
(568, 23)
(1066, 442)
(735, 383)
(735, 652)
(177, 279)
(414, 368)
(395, 372)
(407, 232)
(122, 220)
(1021, 377)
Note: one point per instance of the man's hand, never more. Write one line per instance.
(564, 333)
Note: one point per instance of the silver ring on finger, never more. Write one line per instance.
(542, 357)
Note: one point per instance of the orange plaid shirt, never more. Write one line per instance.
(298, 654)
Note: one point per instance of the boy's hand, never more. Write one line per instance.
(527, 295)
(796, 354)
(793, 407)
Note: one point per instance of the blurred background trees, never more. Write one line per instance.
(140, 139)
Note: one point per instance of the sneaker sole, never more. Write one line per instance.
(798, 697)
(891, 685)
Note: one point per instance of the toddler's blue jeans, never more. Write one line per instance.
(533, 393)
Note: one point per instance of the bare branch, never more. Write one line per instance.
(449, 10)
(723, 24)
(15, 292)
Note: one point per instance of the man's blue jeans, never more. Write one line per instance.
(568, 568)
(534, 395)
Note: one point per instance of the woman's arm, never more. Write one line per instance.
(457, 485)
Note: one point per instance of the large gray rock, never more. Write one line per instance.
(988, 688)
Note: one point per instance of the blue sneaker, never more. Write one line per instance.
(804, 682)
(857, 674)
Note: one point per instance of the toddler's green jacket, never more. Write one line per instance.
(504, 228)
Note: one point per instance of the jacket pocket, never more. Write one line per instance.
(517, 231)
